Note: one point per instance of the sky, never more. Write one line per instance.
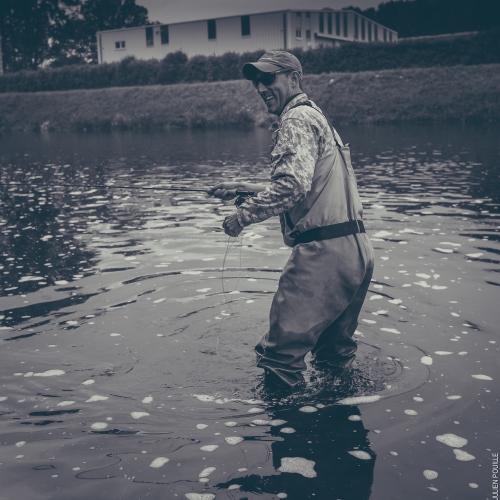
(175, 11)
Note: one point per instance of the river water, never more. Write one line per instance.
(128, 320)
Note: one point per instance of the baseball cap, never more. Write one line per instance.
(271, 61)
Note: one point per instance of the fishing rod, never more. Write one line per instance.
(241, 195)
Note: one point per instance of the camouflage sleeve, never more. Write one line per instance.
(293, 160)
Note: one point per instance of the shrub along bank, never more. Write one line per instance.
(459, 93)
(483, 48)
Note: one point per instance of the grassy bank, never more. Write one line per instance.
(459, 93)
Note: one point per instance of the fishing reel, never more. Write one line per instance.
(242, 196)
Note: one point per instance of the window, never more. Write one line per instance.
(385, 35)
(164, 34)
(119, 45)
(150, 41)
(390, 36)
(321, 22)
(212, 29)
(298, 25)
(245, 25)
(329, 20)
(375, 30)
(308, 15)
(362, 29)
(346, 26)
(308, 34)
(337, 23)
(369, 31)
(356, 28)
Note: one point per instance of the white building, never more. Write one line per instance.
(271, 30)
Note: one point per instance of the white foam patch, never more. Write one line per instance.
(418, 399)
(60, 282)
(230, 424)
(88, 382)
(369, 321)
(391, 330)
(463, 456)
(233, 440)
(452, 440)
(423, 275)
(462, 353)
(200, 496)
(158, 301)
(204, 398)
(376, 297)
(3, 398)
(430, 474)
(411, 412)
(115, 334)
(308, 409)
(49, 373)
(287, 430)
(432, 488)
(282, 495)
(147, 400)
(243, 469)
(203, 290)
(206, 472)
(443, 353)
(382, 234)
(426, 360)
(482, 377)
(234, 487)
(359, 399)
(19, 444)
(298, 465)
(255, 410)
(354, 418)
(444, 250)
(362, 455)
(439, 287)
(202, 426)
(139, 414)
(192, 272)
(277, 422)
(209, 447)
(96, 397)
(395, 301)
(473, 485)
(99, 426)
(454, 397)
(72, 322)
(474, 255)
(66, 403)
(159, 462)
(261, 422)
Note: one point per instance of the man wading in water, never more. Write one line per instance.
(313, 190)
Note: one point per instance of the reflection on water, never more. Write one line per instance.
(128, 320)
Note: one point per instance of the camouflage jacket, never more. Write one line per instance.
(301, 136)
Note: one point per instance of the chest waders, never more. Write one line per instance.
(324, 283)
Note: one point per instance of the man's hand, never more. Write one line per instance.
(224, 190)
(232, 226)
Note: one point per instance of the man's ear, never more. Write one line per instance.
(295, 79)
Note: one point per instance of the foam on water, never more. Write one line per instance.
(50, 373)
(452, 440)
(233, 440)
(359, 399)
(430, 474)
(201, 426)
(481, 377)
(391, 330)
(454, 397)
(206, 472)
(99, 426)
(443, 353)
(261, 422)
(473, 485)
(20, 443)
(209, 447)
(354, 418)
(298, 465)
(66, 403)
(159, 462)
(463, 456)
(230, 424)
(255, 410)
(282, 495)
(200, 496)
(88, 382)
(287, 430)
(308, 409)
(426, 360)
(362, 455)
(96, 397)
(3, 398)
(277, 422)
(418, 399)
(139, 414)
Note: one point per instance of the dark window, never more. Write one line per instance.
(212, 29)
(299, 14)
(321, 22)
(337, 23)
(362, 29)
(390, 36)
(164, 35)
(245, 25)
(298, 33)
(119, 45)
(308, 14)
(346, 26)
(329, 20)
(369, 31)
(385, 35)
(375, 30)
(150, 41)
(356, 28)
(308, 34)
